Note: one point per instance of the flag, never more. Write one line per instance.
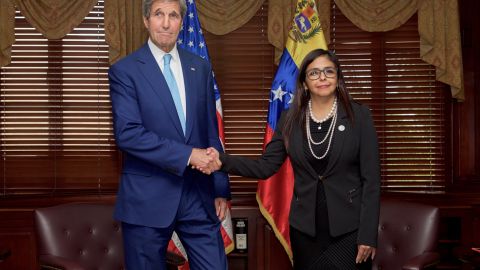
(191, 38)
(274, 195)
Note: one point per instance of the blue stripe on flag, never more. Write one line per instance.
(283, 88)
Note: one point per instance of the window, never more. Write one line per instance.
(243, 64)
(56, 131)
(410, 108)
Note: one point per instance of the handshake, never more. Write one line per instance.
(205, 160)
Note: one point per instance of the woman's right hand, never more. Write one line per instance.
(216, 164)
(364, 252)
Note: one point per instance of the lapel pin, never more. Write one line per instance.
(341, 127)
(192, 69)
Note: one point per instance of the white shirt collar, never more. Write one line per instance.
(158, 53)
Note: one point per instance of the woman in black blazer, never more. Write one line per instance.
(332, 144)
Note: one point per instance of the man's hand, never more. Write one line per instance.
(364, 252)
(221, 208)
(201, 161)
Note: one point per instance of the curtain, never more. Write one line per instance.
(280, 14)
(438, 22)
(440, 45)
(124, 28)
(7, 25)
(377, 16)
(221, 17)
(53, 18)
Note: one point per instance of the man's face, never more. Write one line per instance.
(164, 24)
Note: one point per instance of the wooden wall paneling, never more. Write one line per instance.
(264, 249)
(475, 32)
(16, 234)
(466, 115)
(23, 251)
(245, 261)
(476, 225)
(275, 256)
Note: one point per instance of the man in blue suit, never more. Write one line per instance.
(164, 117)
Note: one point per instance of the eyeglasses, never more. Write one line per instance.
(314, 73)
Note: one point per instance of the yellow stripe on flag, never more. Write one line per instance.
(275, 229)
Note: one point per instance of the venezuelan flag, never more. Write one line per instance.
(274, 195)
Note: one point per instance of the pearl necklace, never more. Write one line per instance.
(329, 134)
(320, 122)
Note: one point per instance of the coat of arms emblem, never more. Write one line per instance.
(307, 24)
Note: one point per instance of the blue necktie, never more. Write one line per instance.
(172, 85)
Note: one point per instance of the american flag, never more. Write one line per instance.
(191, 38)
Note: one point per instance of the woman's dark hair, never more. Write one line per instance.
(298, 109)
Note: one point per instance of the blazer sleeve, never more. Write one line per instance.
(131, 135)
(370, 177)
(266, 165)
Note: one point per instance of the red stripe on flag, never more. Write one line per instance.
(226, 238)
(221, 133)
(274, 196)
(226, 228)
(173, 248)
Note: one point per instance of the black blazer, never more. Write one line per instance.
(351, 179)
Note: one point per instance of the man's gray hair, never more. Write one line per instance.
(147, 7)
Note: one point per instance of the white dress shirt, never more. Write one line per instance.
(175, 66)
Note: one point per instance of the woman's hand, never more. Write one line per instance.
(364, 252)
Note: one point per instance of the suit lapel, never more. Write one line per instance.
(154, 76)
(189, 78)
(297, 149)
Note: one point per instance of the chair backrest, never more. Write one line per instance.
(83, 233)
(406, 230)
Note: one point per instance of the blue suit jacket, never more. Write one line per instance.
(155, 150)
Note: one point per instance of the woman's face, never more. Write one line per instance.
(321, 77)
